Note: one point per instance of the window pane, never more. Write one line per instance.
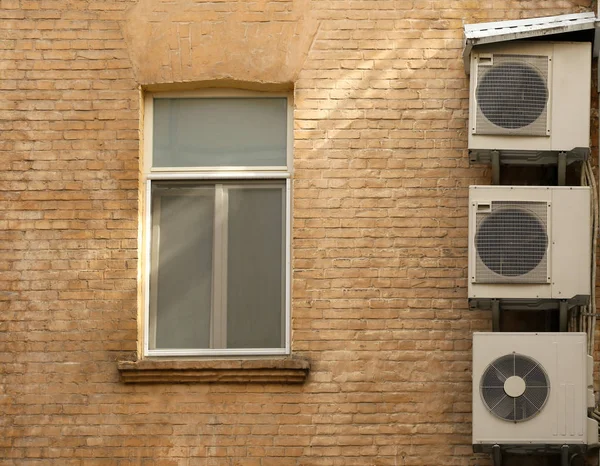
(182, 227)
(218, 132)
(255, 265)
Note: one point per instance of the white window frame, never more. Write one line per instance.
(150, 173)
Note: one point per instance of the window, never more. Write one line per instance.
(217, 207)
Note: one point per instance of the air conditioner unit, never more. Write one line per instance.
(529, 242)
(530, 98)
(532, 390)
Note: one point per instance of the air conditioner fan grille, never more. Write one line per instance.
(512, 96)
(511, 407)
(511, 243)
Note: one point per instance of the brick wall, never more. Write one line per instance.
(379, 230)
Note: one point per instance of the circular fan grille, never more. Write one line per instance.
(514, 408)
(511, 241)
(512, 95)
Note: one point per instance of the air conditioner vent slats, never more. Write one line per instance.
(512, 95)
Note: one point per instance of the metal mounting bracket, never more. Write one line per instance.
(563, 310)
(564, 455)
(562, 168)
(497, 455)
(496, 311)
(496, 307)
(496, 167)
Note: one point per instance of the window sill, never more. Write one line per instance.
(272, 370)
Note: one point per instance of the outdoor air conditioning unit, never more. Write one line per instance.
(532, 391)
(529, 98)
(529, 242)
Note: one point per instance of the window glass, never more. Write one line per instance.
(181, 282)
(255, 260)
(220, 132)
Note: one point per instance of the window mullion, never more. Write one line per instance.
(219, 307)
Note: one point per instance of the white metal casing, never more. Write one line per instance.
(568, 104)
(568, 250)
(563, 419)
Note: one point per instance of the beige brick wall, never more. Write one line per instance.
(379, 237)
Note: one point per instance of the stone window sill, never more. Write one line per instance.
(271, 370)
